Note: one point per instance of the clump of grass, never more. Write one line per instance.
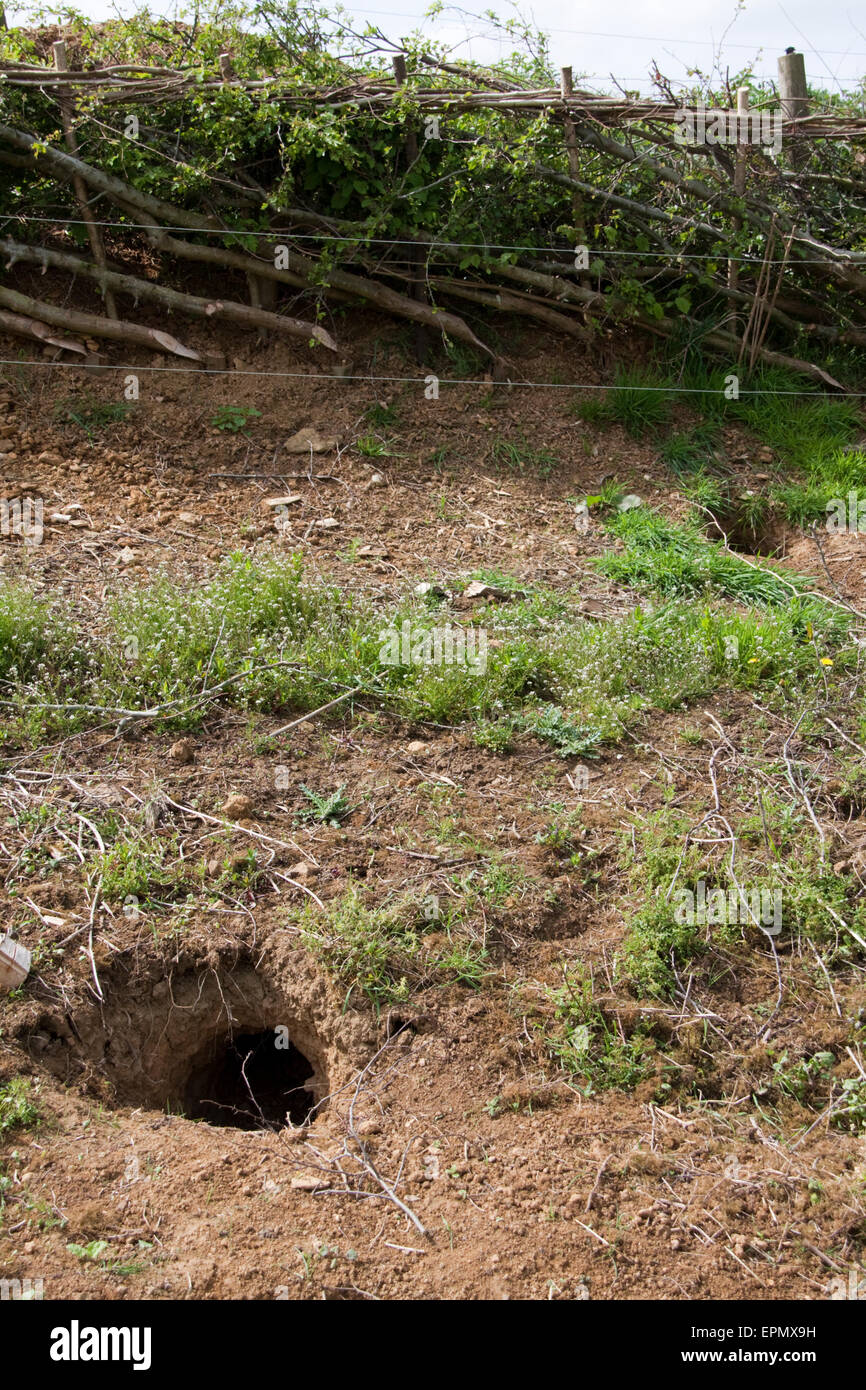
(148, 869)
(674, 558)
(519, 456)
(800, 425)
(94, 1250)
(33, 638)
(373, 446)
(752, 511)
(640, 403)
(707, 492)
(702, 384)
(638, 400)
(687, 453)
(18, 1105)
(850, 793)
(838, 476)
(562, 835)
(804, 503)
(380, 415)
(439, 456)
(494, 885)
(778, 853)
(93, 416)
(374, 950)
(44, 661)
(137, 864)
(594, 410)
(497, 735)
(812, 435)
(585, 1045)
(389, 950)
(170, 643)
(610, 493)
(809, 1081)
(656, 945)
(498, 579)
(465, 361)
(816, 900)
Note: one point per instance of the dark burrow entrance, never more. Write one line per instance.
(250, 1081)
(748, 531)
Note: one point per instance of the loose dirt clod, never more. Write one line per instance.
(310, 441)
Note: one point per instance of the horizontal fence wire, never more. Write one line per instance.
(348, 239)
(345, 379)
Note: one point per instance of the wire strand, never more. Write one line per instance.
(134, 370)
(460, 245)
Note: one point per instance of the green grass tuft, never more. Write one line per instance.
(18, 1106)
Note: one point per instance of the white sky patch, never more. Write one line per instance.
(623, 39)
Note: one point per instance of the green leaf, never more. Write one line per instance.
(92, 1251)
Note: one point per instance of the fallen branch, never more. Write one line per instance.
(173, 300)
(31, 328)
(114, 329)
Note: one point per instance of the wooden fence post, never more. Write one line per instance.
(794, 96)
(566, 88)
(67, 112)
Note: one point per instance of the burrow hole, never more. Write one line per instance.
(744, 535)
(249, 1081)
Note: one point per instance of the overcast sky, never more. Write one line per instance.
(622, 37)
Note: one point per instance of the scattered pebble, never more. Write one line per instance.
(286, 501)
